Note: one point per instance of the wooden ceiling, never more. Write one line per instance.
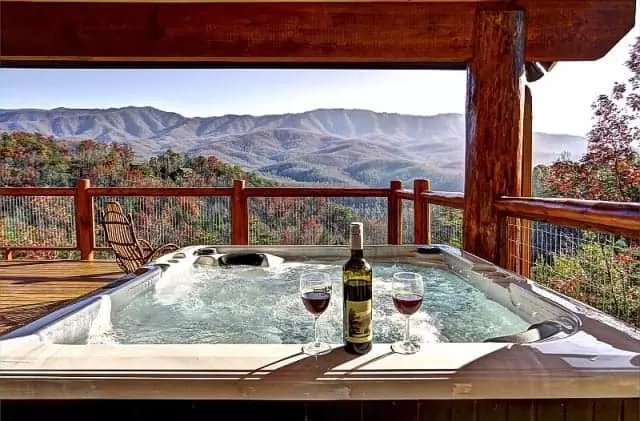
(427, 33)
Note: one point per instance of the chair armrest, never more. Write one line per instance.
(144, 244)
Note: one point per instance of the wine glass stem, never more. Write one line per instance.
(406, 330)
(316, 337)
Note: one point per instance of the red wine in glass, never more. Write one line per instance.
(407, 304)
(408, 292)
(316, 302)
(315, 291)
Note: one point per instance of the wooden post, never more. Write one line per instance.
(394, 213)
(239, 214)
(85, 225)
(421, 212)
(527, 183)
(8, 254)
(495, 106)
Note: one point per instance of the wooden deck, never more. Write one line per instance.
(30, 289)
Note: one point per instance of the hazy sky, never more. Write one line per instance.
(562, 99)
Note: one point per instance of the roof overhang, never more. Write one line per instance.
(420, 34)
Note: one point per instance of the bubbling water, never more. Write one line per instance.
(243, 305)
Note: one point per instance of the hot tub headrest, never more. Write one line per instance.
(535, 333)
(429, 250)
(240, 258)
(243, 259)
(206, 251)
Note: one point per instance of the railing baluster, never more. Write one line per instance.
(507, 235)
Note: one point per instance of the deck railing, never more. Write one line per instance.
(619, 219)
(589, 250)
(412, 216)
(75, 211)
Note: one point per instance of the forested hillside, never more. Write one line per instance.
(333, 146)
(30, 159)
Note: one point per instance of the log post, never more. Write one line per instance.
(394, 213)
(421, 212)
(519, 232)
(239, 214)
(85, 220)
(494, 125)
(527, 184)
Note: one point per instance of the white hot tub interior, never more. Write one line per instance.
(214, 295)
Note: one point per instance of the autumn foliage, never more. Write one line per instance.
(602, 270)
(610, 170)
(30, 159)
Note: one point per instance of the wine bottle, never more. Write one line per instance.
(357, 284)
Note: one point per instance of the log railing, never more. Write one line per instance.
(449, 199)
(618, 218)
(238, 194)
(609, 217)
(588, 250)
(621, 218)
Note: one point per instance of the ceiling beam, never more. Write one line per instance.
(263, 1)
(349, 34)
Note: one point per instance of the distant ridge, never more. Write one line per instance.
(343, 146)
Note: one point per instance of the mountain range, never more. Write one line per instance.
(336, 146)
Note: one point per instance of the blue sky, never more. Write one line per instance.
(562, 99)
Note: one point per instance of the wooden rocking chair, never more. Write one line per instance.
(131, 252)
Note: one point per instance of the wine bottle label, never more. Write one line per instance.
(359, 321)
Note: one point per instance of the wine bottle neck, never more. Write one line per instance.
(357, 254)
(356, 236)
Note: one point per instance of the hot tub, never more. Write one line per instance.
(226, 322)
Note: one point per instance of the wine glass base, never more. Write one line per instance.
(402, 347)
(316, 348)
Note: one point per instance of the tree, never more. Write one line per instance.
(539, 185)
(610, 170)
(602, 270)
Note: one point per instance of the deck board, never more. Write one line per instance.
(30, 289)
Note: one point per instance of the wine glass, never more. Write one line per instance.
(408, 292)
(315, 290)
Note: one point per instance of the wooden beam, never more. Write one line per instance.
(316, 192)
(322, 34)
(394, 213)
(621, 218)
(527, 144)
(448, 199)
(527, 183)
(518, 240)
(495, 107)
(239, 214)
(85, 219)
(421, 212)
(37, 191)
(159, 191)
(261, 1)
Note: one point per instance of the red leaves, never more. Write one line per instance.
(610, 170)
(624, 259)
